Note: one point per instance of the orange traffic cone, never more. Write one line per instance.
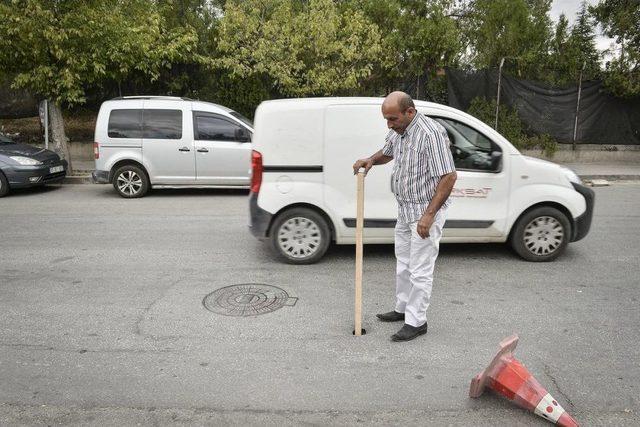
(508, 377)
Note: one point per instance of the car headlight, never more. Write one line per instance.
(571, 175)
(26, 161)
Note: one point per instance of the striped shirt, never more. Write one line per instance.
(422, 156)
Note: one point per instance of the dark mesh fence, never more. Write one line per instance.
(602, 119)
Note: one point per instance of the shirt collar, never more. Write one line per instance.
(411, 125)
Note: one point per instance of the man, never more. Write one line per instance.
(423, 177)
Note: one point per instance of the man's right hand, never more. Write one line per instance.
(362, 163)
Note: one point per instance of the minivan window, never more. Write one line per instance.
(242, 118)
(215, 128)
(471, 150)
(162, 124)
(125, 123)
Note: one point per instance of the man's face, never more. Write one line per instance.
(396, 119)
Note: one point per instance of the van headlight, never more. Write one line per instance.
(571, 175)
(26, 161)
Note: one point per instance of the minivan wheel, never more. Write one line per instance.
(300, 236)
(541, 234)
(130, 181)
(4, 185)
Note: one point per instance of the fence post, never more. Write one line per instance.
(498, 97)
(575, 125)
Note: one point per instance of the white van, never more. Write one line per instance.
(168, 142)
(303, 189)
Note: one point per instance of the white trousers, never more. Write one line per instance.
(415, 261)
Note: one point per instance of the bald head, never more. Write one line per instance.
(399, 99)
(398, 110)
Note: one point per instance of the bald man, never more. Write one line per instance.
(423, 177)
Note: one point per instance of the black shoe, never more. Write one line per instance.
(392, 316)
(408, 332)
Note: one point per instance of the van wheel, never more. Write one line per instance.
(4, 185)
(300, 236)
(130, 181)
(541, 234)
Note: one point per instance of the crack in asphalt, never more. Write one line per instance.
(547, 371)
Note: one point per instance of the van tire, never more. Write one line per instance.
(541, 234)
(300, 236)
(130, 181)
(4, 185)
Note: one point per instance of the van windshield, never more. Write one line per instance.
(242, 118)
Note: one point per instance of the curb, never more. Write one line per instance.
(77, 179)
(610, 177)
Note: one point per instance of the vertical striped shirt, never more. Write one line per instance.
(422, 156)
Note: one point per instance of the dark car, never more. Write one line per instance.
(23, 165)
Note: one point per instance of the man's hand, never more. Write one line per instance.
(424, 225)
(362, 163)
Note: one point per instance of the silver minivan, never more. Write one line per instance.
(168, 142)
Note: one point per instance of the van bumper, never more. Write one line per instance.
(260, 219)
(100, 177)
(582, 224)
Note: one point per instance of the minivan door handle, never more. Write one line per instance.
(202, 150)
(184, 149)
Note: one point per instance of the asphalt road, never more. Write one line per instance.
(102, 321)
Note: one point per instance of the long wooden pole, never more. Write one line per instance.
(359, 227)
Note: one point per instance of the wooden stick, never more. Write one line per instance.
(359, 227)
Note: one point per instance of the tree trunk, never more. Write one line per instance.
(58, 136)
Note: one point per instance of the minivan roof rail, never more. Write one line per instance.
(174, 98)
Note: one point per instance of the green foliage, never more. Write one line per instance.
(313, 49)
(518, 30)
(620, 19)
(57, 49)
(510, 126)
(419, 38)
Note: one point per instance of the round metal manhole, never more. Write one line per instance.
(247, 299)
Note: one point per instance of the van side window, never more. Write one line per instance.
(125, 124)
(471, 149)
(162, 124)
(209, 127)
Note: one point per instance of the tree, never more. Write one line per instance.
(58, 48)
(518, 30)
(298, 48)
(583, 43)
(419, 38)
(620, 19)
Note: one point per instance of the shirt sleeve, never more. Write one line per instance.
(441, 159)
(387, 150)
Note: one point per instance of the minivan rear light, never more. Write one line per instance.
(256, 171)
(96, 150)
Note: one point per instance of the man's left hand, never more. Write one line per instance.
(424, 225)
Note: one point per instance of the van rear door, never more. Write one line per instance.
(167, 143)
(354, 132)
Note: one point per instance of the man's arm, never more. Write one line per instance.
(443, 190)
(376, 159)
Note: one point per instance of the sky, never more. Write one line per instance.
(570, 9)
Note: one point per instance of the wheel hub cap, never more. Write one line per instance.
(299, 237)
(543, 235)
(129, 183)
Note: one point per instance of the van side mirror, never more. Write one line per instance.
(242, 135)
(496, 156)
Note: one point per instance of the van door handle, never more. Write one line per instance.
(184, 149)
(202, 150)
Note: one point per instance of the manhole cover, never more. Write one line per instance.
(247, 299)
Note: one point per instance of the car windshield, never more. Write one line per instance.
(4, 140)
(242, 118)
